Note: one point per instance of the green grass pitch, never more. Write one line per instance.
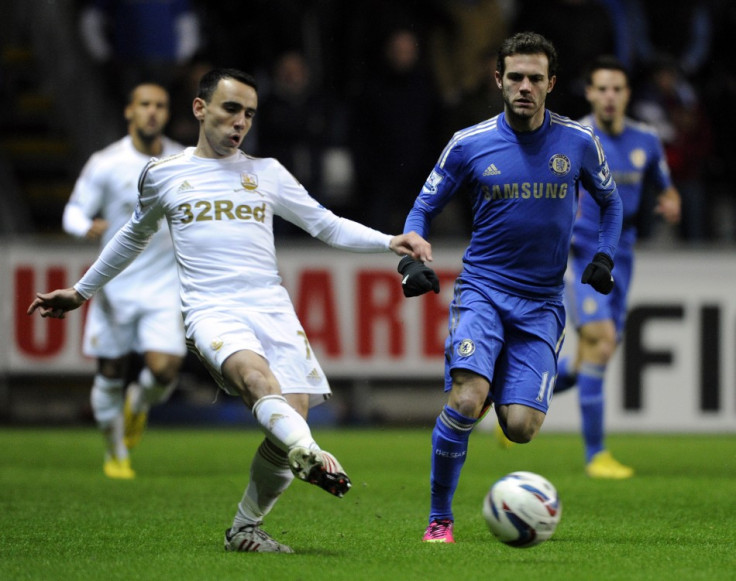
(61, 519)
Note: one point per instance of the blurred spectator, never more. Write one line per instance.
(365, 25)
(251, 34)
(625, 21)
(183, 126)
(467, 32)
(480, 102)
(293, 120)
(294, 124)
(395, 120)
(582, 30)
(718, 88)
(668, 102)
(136, 40)
(477, 104)
(680, 30)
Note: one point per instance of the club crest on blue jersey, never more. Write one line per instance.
(249, 181)
(559, 164)
(430, 186)
(638, 157)
(590, 305)
(466, 348)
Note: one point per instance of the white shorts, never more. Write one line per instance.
(278, 337)
(108, 335)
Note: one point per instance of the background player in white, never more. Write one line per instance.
(638, 164)
(220, 203)
(140, 310)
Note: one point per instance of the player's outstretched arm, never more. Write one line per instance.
(413, 245)
(56, 304)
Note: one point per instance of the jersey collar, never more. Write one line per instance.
(526, 136)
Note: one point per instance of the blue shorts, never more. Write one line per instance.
(511, 341)
(585, 304)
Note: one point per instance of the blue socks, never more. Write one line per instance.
(449, 450)
(590, 389)
(566, 376)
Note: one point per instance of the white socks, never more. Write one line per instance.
(147, 391)
(282, 423)
(106, 398)
(107, 406)
(270, 476)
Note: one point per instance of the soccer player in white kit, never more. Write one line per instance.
(219, 203)
(140, 310)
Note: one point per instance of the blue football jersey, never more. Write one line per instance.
(637, 161)
(523, 188)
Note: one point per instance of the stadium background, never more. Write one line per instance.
(676, 371)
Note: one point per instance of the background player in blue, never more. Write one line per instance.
(637, 162)
(521, 170)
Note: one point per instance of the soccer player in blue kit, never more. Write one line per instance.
(637, 162)
(521, 170)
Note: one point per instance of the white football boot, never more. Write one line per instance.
(319, 468)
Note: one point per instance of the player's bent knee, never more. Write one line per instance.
(165, 368)
(253, 378)
(257, 385)
(523, 424)
(600, 354)
(521, 434)
(468, 393)
(598, 342)
(112, 368)
(165, 377)
(468, 407)
(606, 350)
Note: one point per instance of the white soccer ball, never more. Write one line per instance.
(522, 509)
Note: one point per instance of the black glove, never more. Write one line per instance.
(598, 273)
(417, 278)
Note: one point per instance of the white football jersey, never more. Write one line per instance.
(220, 214)
(108, 188)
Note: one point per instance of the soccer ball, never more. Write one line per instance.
(522, 509)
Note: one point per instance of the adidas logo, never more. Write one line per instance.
(492, 170)
(185, 186)
(314, 375)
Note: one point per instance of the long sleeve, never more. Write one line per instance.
(353, 236)
(117, 254)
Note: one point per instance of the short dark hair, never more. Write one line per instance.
(606, 62)
(527, 43)
(131, 92)
(209, 81)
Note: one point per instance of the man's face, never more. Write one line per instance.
(608, 95)
(524, 85)
(148, 112)
(227, 118)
